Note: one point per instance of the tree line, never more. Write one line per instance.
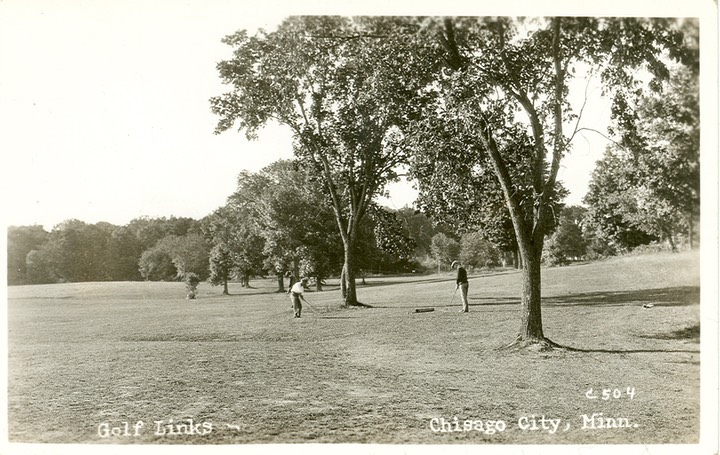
(277, 223)
(296, 237)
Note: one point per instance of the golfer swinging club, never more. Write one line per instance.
(296, 293)
(462, 283)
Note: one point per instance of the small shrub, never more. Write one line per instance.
(192, 280)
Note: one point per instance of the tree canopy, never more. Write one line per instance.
(345, 87)
(501, 106)
(648, 183)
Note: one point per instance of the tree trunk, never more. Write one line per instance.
(281, 282)
(531, 322)
(318, 283)
(225, 287)
(343, 284)
(296, 269)
(350, 294)
(521, 261)
(291, 279)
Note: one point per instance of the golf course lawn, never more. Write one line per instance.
(85, 358)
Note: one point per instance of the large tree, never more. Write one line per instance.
(506, 85)
(345, 87)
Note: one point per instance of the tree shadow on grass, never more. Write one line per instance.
(490, 301)
(629, 351)
(547, 345)
(674, 296)
(377, 281)
(691, 334)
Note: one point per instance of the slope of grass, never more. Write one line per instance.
(85, 357)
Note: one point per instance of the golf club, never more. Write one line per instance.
(453, 296)
(311, 307)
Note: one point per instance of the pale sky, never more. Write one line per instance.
(105, 114)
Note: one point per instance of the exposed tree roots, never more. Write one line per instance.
(534, 345)
(357, 304)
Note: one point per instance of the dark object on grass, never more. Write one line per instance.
(424, 310)
(648, 305)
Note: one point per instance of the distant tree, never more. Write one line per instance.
(182, 226)
(477, 252)
(383, 244)
(395, 246)
(40, 266)
(221, 266)
(76, 251)
(298, 225)
(123, 253)
(189, 253)
(149, 231)
(610, 201)
(419, 228)
(444, 249)
(236, 228)
(21, 241)
(156, 264)
(658, 158)
(567, 243)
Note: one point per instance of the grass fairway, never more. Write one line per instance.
(87, 357)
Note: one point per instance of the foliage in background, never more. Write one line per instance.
(444, 250)
(568, 242)
(300, 231)
(156, 264)
(21, 241)
(222, 266)
(647, 187)
(476, 252)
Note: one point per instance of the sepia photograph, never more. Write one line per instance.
(376, 228)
